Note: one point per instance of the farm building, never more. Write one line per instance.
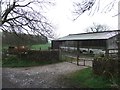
(105, 41)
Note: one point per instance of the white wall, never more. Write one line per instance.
(112, 43)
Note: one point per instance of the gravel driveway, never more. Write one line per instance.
(47, 76)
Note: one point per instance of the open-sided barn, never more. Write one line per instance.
(104, 40)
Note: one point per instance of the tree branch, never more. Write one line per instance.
(26, 17)
(7, 11)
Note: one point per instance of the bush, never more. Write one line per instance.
(105, 66)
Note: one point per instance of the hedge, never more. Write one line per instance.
(37, 55)
(105, 66)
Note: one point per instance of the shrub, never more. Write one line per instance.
(105, 66)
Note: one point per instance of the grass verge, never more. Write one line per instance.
(86, 79)
(13, 61)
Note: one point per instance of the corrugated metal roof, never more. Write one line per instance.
(89, 36)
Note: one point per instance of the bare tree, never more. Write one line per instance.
(93, 6)
(97, 28)
(26, 16)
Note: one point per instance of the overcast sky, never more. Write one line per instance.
(62, 17)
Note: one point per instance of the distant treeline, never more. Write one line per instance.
(11, 38)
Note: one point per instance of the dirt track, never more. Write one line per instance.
(47, 76)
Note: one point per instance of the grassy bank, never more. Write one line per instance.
(86, 79)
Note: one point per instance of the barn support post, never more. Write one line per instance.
(65, 51)
(106, 50)
(118, 43)
(88, 50)
(77, 52)
(74, 47)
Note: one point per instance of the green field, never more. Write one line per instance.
(42, 46)
(34, 47)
